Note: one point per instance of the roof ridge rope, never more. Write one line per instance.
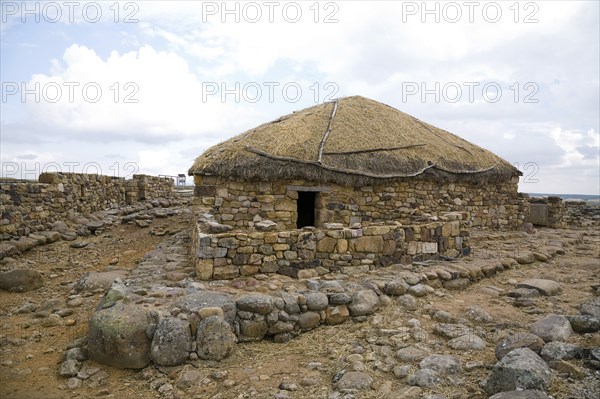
(322, 145)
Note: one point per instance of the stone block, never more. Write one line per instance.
(369, 244)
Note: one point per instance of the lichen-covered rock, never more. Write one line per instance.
(520, 369)
(117, 336)
(172, 342)
(215, 340)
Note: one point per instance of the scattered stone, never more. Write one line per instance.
(410, 354)
(355, 380)
(425, 378)
(552, 328)
(479, 315)
(557, 350)
(520, 369)
(452, 330)
(407, 393)
(572, 370)
(443, 364)
(584, 323)
(467, 342)
(525, 258)
(21, 280)
(288, 386)
(544, 287)
(79, 244)
(215, 340)
(521, 340)
(409, 302)
(74, 383)
(591, 308)
(70, 368)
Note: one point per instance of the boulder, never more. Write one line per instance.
(117, 336)
(355, 380)
(519, 369)
(172, 342)
(364, 303)
(21, 280)
(215, 339)
(552, 328)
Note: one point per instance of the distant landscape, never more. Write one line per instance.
(570, 197)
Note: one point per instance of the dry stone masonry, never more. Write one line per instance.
(309, 252)
(28, 207)
(242, 203)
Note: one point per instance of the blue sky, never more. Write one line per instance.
(146, 86)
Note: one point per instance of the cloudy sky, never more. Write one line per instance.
(146, 86)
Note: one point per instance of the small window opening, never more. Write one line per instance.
(306, 208)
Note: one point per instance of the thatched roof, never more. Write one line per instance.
(352, 141)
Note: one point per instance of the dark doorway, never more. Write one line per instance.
(306, 208)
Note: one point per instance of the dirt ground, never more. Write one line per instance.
(31, 350)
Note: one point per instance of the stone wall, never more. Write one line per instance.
(242, 204)
(582, 214)
(309, 252)
(27, 207)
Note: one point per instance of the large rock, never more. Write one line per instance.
(557, 350)
(93, 281)
(192, 303)
(520, 369)
(21, 280)
(364, 303)
(443, 364)
(215, 340)
(544, 287)
(255, 303)
(355, 380)
(395, 287)
(425, 378)
(172, 342)
(552, 328)
(584, 323)
(467, 342)
(521, 340)
(117, 336)
(591, 308)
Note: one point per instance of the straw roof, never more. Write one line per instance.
(350, 141)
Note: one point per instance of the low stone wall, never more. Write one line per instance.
(309, 252)
(244, 203)
(27, 207)
(581, 214)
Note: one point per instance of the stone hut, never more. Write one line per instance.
(354, 160)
